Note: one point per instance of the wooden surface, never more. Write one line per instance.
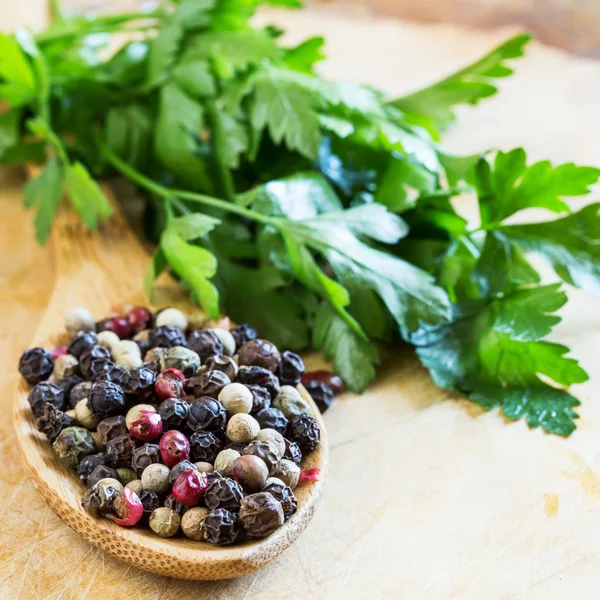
(89, 271)
(426, 498)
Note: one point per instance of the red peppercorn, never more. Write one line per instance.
(58, 351)
(149, 427)
(174, 447)
(189, 487)
(331, 379)
(169, 384)
(128, 507)
(120, 326)
(309, 475)
(139, 318)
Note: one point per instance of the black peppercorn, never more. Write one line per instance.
(115, 374)
(106, 399)
(321, 393)
(260, 353)
(103, 325)
(140, 384)
(150, 501)
(259, 376)
(143, 345)
(285, 495)
(223, 363)
(45, 392)
(89, 356)
(145, 455)
(81, 341)
(220, 527)
(261, 398)
(174, 413)
(111, 427)
(179, 468)
(179, 508)
(242, 334)
(36, 365)
(88, 463)
(261, 514)
(98, 499)
(53, 421)
(204, 446)
(304, 430)
(213, 476)
(98, 369)
(209, 383)
(267, 451)
(205, 343)
(224, 493)
(119, 451)
(166, 336)
(237, 446)
(292, 451)
(68, 383)
(79, 392)
(272, 418)
(101, 472)
(291, 368)
(206, 414)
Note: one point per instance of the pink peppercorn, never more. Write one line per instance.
(120, 326)
(58, 351)
(139, 318)
(309, 475)
(174, 447)
(169, 384)
(189, 487)
(148, 427)
(128, 507)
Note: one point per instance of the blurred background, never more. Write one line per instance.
(570, 24)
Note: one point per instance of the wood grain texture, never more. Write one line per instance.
(426, 498)
(99, 270)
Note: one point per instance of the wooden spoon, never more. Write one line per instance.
(99, 271)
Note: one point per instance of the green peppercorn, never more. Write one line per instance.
(290, 402)
(72, 444)
(126, 475)
(178, 357)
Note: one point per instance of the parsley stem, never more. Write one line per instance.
(161, 190)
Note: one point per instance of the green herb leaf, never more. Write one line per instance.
(494, 351)
(44, 193)
(195, 78)
(354, 358)
(86, 196)
(571, 245)
(158, 264)
(432, 107)
(193, 226)
(9, 129)
(510, 186)
(128, 133)
(195, 265)
(304, 56)
(17, 81)
(164, 49)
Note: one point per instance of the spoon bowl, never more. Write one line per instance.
(100, 270)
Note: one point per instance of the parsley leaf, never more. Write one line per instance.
(17, 81)
(86, 196)
(571, 245)
(304, 56)
(431, 107)
(494, 353)
(509, 186)
(354, 358)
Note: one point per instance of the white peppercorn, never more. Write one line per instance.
(155, 478)
(242, 428)
(137, 486)
(172, 316)
(288, 472)
(85, 416)
(129, 361)
(204, 467)
(236, 398)
(165, 522)
(192, 523)
(125, 347)
(79, 319)
(290, 402)
(109, 339)
(142, 336)
(70, 412)
(135, 413)
(226, 339)
(270, 435)
(224, 461)
(153, 355)
(65, 366)
(274, 481)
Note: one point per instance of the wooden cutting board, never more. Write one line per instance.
(427, 498)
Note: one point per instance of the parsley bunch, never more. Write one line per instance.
(322, 213)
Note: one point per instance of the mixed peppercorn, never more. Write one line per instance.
(199, 430)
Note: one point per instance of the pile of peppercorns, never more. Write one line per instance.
(198, 429)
